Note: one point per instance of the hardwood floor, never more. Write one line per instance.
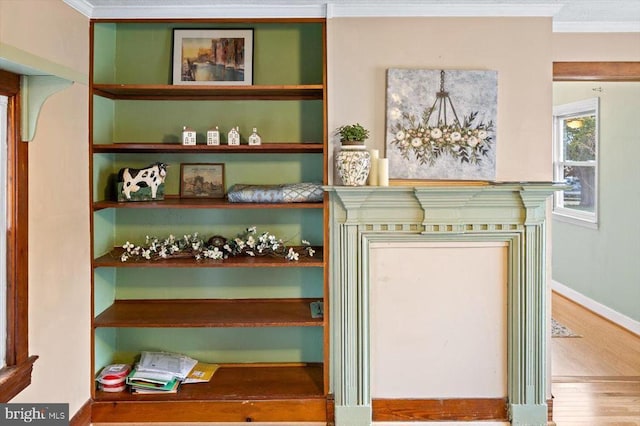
(595, 378)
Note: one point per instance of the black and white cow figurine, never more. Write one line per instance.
(134, 179)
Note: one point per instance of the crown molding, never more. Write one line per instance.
(390, 9)
(193, 11)
(319, 9)
(81, 6)
(596, 27)
(331, 9)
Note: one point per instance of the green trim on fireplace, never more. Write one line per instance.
(514, 213)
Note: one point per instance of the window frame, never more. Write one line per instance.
(589, 106)
(16, 375)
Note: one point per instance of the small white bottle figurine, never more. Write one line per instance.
(188, 136)
(254, 138)
(233, 138)
(213, 136)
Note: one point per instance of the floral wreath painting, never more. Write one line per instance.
(441, 124)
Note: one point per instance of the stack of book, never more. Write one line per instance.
(160, 372)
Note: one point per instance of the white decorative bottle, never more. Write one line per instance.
(254, 138)
(213, 136)
(188, 136)
(233, 138)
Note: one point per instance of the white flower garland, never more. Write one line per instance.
(192, 245)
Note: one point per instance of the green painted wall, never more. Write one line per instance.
(602, 263)
(225, 345)
(141, 53)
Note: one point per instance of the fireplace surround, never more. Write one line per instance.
(512, 214)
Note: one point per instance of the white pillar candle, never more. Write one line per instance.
(373, 172)
(383, 172)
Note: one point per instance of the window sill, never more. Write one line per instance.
(575, 220)
(13, 379)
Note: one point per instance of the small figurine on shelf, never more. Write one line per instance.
(254, 138)
(188, 136)
(213, 136)
(145, 184)
(233, 138)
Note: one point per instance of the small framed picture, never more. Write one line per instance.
(213, 57)
(202, 180)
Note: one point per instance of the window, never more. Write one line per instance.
(575, 127)
(15, 373)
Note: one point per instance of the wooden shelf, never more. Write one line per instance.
(181, 313)
(112, 259)
(265, 148)
(185, 92)
(236, 393)
(199, 203)
(249, 381)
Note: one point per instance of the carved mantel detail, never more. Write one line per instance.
(513, 213)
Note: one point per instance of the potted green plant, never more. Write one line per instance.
(353, 161)
(352, 134)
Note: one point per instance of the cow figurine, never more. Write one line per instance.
(134, 179)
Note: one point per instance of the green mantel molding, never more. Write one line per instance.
(514, 213)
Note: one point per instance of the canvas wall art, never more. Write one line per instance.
(213, 57)
(441, 124)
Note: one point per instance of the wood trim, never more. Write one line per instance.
(275, 148)
(291, 410)
(331, 409)
(179, 92)
(112, 259)
(94, 367)
(9, 83)
(392, 410)
(17, 375)
(596, 71)
(172, 313)
(209, 20)
(13, 379)
(82, 416)
(550, 409)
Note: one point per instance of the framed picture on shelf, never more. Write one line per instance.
(202, 180)
(213, 57)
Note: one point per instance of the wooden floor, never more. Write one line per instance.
(595, 378)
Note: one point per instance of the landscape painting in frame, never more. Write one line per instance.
(202, 180)
(441, 124)
(213, 57)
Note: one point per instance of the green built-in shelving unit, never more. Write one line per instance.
(251, 315)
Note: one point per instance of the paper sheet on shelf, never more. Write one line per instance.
(164, 362)
(201, 373)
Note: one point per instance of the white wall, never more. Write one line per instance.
(360, 50)
(608, 47)
(438, 320)
(59, 274)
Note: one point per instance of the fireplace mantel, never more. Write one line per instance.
(509, 213)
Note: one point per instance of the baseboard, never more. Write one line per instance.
(598, 308)
(82, 416)
(411, 410)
